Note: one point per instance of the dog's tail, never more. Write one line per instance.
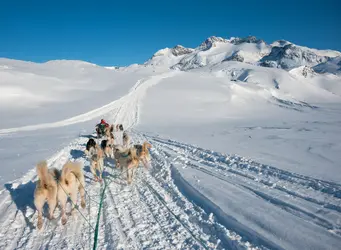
(43, 174)
(75, 168)
(146, 145)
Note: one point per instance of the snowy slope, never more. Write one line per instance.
(243, 156)
(64, 88)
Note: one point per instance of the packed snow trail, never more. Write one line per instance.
(305, 205)
(166, 207)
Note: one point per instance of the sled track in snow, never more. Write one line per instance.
(266, 182)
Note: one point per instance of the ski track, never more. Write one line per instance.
(309, 199)
(152, 212)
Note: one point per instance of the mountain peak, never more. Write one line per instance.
(280, 43)
(180, 50)
(292, 56)
(211, 41)
(248, 39)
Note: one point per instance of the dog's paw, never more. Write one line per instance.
(64, 220)
(83, 204)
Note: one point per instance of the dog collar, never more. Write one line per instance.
(125, 155)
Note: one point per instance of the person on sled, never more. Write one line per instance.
(100, 128)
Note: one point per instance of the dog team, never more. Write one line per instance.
(54, 186)
(126, 157)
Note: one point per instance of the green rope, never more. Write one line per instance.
(100, 205)
(99, 215)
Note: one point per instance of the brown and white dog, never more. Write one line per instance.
(126, 159)
(46, 190)
(96, 156)
(71, 181)
(142, 153)
(107, 146)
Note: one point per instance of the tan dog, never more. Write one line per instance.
(46, 190)
(71, 181)
(142, 153)
(96, 156)
(126, 159)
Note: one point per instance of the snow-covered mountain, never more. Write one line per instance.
(332, 65)
(291, 56)
(168, 57)
(216, 50)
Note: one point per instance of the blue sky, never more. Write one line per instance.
(126, 32)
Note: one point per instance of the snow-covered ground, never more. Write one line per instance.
(243, 156)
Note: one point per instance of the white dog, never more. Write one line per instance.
(71, 181)
(46, 190)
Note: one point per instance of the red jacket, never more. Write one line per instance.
(106, 124)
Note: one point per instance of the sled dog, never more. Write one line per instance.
(126, 159)
(71, 181)
(96, 157)
(46, 190)
(142, 153)
(107, 146)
